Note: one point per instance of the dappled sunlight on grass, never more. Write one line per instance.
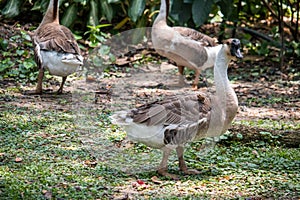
(270, 124)
(48, 154)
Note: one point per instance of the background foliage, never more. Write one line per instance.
(77, 14)
(266, 28)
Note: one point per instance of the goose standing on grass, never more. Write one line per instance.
(171, 123)
(185, 46)
(55, 48)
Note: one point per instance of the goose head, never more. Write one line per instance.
(234, 48)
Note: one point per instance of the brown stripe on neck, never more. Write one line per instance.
(167, 8)
(55, 10)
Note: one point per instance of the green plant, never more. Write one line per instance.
(3, 44)
(101, 57)
(96, 36)
(17, 58)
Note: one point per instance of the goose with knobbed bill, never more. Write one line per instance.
(170, 123)
(55, 48)
(185, 46)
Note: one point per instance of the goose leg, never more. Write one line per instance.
(196, 81)
(181, 81)
(39, 87)
(163, 167)
(59, 91)
(182, 165)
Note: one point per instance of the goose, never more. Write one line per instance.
(185, 46)
(55, 48)
(170, 123)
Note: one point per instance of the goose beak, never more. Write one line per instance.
(235, 48)
(238, 54)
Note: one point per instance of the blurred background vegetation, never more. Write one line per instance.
(266, 28)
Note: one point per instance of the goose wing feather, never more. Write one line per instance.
(196, 36)
(172, 110)
(53, 37)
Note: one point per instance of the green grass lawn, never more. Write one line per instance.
(43, 155)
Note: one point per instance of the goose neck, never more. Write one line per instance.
(213, 52)
(51, 14)
(163, 11)
(220, 74)
(225, 103)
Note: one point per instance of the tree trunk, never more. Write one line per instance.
(288, 138)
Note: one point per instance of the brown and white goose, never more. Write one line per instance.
(171, 123)
(185, 46)
(55, 48)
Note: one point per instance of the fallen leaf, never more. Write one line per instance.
(48, 195)
(18, 159)
(44, 191)
(140, 182)
(90, 78)
(255, 152)
(90, 163)
(154, 179)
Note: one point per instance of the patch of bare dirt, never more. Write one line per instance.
(265, 92)
(150, 82)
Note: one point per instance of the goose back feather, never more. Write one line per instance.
(192, 34)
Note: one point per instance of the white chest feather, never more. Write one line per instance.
(60, 64)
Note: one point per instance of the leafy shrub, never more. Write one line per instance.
(134, 12)
(81, 15)
(17, 59)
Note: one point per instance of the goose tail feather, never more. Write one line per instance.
(121, 118)
(72, 59)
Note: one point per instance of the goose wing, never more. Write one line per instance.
(183, 118)
(196, 36)
(173, 110)
(54, 37)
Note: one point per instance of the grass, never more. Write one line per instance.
(271, 124)
(43, 155)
